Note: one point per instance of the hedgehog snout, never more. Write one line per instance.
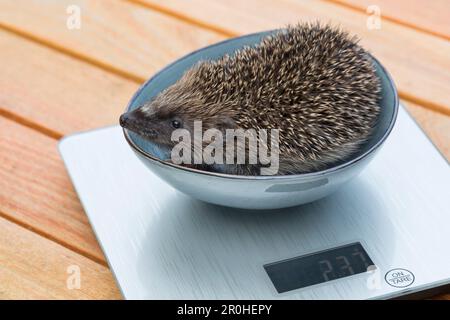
(134, 121)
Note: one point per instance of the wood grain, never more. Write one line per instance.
(114, 35)
(32, 267)
(58, 91)
(36, 192)
(427, 16)
(418, 62)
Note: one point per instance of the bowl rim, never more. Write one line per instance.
(320, 173)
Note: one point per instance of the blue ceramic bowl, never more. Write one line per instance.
(255, 192)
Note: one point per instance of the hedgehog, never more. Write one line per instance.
(312, 82)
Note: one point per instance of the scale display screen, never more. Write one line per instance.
(318, 267)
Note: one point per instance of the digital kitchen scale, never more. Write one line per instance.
(385, 234)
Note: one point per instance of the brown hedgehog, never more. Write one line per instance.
(313, 82)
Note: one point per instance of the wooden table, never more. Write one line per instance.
(56, 80)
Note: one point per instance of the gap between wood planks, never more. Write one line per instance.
(391, 19)
(54, 46)
(30, 124)
(184, 18)
(196, 22)
(54, 135)
(52, 238)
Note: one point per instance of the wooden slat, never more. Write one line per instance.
(58, 91)
(32, 267)
(36, 192)
(418, 62)
(444, 296)
(428, 16)
(114, 35)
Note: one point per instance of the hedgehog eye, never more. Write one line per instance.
(176, 124)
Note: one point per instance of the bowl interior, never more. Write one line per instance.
(171, 73)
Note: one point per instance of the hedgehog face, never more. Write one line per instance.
(156, 120)
(153, 124)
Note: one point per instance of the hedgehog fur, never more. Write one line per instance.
(311, 81)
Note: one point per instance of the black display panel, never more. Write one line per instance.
(318, 267)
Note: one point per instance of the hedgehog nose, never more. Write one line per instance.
(129, 119)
